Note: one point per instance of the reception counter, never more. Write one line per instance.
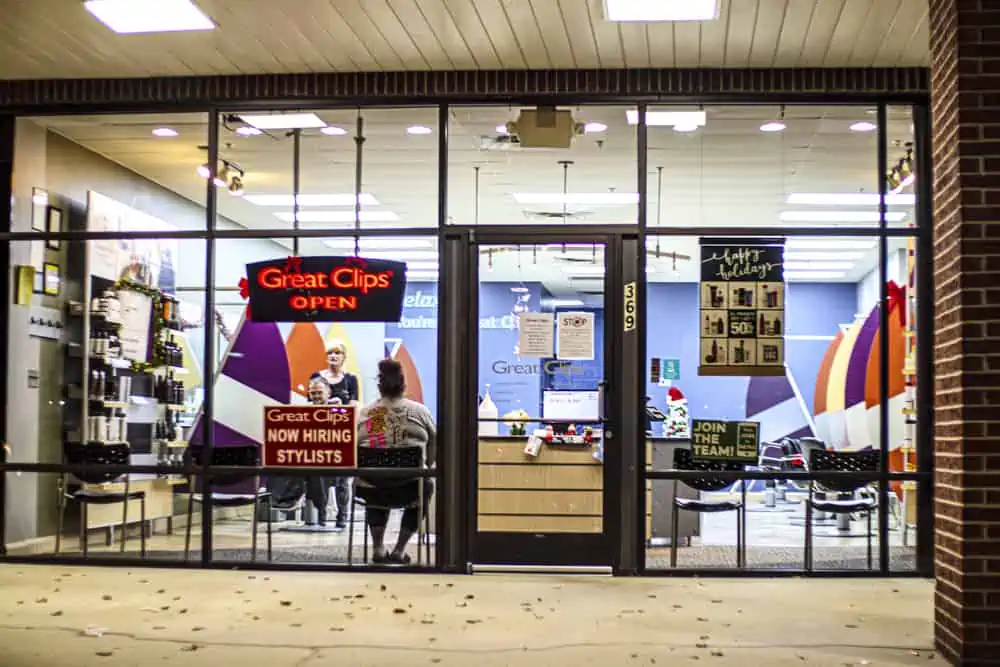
(562, 489)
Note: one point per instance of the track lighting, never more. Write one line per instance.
(229, 175)
(236, 186)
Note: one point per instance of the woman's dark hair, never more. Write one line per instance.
(391, 382)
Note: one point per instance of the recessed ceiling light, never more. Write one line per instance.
(814, 276)
(839, 216)
(248, 131)
(283, 121)
(418, 129)
(339, 199)
(848, 199)
(822, 256)
(165, 132)
(663, 10)
(403, 255)
(338, 216)
(594, 127)
(128, 17)
(562, 303)
(333, 131)
(817, 266)
(686, 127)
(501, 129)
(579, 198)
(864, 126)
(520, 290)
(829, 244)
(774, 126)
(667, 118)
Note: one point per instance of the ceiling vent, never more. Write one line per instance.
(557, 216)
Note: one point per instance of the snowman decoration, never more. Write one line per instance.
(676, 425)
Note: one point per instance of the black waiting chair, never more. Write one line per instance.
(87, 494)
(390, 457)
(243, 455)
(839, 495)
(685, 461)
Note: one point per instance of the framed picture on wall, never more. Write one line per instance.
(39, 286)
(53, 225)
(39, 204)
(51, 281)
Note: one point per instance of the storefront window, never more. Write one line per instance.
(901, 168)
(392, 151)
(767, 166)
(542, 166)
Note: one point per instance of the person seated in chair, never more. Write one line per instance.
(394, 421)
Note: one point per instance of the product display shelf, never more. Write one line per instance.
(168, 438)
(908, 446)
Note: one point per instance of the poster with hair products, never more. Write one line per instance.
(742, 308)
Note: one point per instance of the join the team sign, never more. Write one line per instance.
(315, 436)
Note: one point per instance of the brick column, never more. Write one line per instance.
(965, 93)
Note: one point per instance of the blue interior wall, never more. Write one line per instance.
(813, 310)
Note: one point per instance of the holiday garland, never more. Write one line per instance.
(156, 296)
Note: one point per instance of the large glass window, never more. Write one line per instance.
(542, 166)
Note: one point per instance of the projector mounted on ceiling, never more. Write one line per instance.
(545, 127)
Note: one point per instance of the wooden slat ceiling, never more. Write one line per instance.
(59, 39)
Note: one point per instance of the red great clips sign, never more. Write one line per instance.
(325, 289)
(314, 436)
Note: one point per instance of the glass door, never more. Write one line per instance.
(542, 490)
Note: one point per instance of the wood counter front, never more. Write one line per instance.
(560, 490)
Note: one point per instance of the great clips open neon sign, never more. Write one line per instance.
(325, 289)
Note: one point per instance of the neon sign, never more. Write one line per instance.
(325, 289)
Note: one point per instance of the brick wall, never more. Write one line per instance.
(370, 87)
(965, 94)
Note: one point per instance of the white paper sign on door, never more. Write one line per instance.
(575, 337)
(136, 311)
(536, 335)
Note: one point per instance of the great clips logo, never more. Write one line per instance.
(325, 289)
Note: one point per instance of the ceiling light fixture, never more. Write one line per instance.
(774, 126)
(822, 256)
(283, 121)
(236, 186)
(594, 127)
(864, 126)
(333, 131)
(204, 170)
(128, 17)
(814, 266)
(577, 198)
(248, 131)
(501, 129)
(829, 244)
(839, 216)
(338, 199)
(422, 276)
(663, 10)
(418, 129)
(403, 256)
(685, 127)
(848, 199)
(667, 118)
(164, 132)
(813, 276)
(337, 216)
(383, 244)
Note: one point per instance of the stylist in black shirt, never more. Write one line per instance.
(343, 391)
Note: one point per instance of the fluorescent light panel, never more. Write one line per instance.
(338, 216)
(683, 119)
(382, 244)
(421, 277)
(129, 17)
(577, 198)
(336, 199)
(829, 244)
(816, 276)
(822, 256)
(661, 10)
(403, 256)
(283, 121)
(818, 266)
(848, 199)
(839, 216)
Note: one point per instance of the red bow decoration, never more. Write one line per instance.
(244, 286)
(355, 261)
(293, 265)
(897, 298)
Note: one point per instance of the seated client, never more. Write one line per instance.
(394, 421)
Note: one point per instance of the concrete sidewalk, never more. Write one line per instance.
(60, 616)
